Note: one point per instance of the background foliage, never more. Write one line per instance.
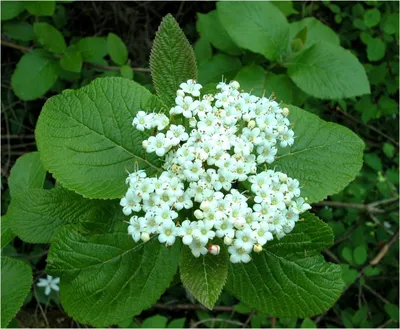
(48, 47)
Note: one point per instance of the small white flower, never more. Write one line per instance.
(50, 284)
(214, 249)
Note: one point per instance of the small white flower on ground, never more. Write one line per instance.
(49, 284)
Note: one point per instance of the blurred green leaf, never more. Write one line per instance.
(156, 321)
(376, 49)
(117, 49)
(177, 323)
(72, 60)
(372, 17)
(373, 161)
(18, 30)
(360, 255)
(92, 48)
(40, 8)
(126, 72)
(393, 311)
(286, 7)
(11, 9)
(202, 50)
(308, 323)
(49, 37)
(218, 67)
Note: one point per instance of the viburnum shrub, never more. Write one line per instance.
(214, 180)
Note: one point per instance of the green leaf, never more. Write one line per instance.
(11, 9)
(390, 24)
(106, 277)
(40, 8)
(86, 140)
(252, 78)
(35, 74)
(7, 235)
(92, 48)
(204, 276)
(393, 311)
(308, 323)
(360, 316)
(36, 214)
(72, 60)
(389, 150)
(372, 17)
(156, 321)
(281, 86)
(349, 275)
(289, 278)
(210, 28)
(360, 255)
(60, 17)
(328, 72)
(316, 32)
(218, 67)
(347, 254)
(325, 157)
(16, 281)
(172, 60)
(286, 7)
(202, 50)
(373, 161)
(27, 173)
(376, 49)
(126, 72)
(388, 105)
(18, 30)
(117, 49)
(49, 37)
(177, 323)
(256, 26)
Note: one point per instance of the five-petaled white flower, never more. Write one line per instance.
(49, 283)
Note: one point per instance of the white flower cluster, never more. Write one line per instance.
(213, 146)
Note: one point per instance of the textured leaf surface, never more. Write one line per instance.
(204, 276)
(28, 172)
(107, 277)
(289, 278)
(316, 31)
(35, 74)
(36, 214)
(117, 49)
(49, 37)
(324, 158)
(86, 138)
(256, 26)
(328, 72)
(16, 281)
(210, 28)
(172, 60)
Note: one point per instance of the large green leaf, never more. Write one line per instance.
(35, 74)
(217, 68)
(328, 72)
(49, 37)
(27, 173)
(106, 277)
(256, 26)
(316, 31)
(204, 276)
(172, 60)
(36, 214)
(210, 28)
(86, 139)
(289, 278)
(16, 281)
(324, 158)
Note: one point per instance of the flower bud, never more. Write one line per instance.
(257, 248)
(214, 249)
(251, 124)
(180, 92)
(145, 143)
(198, 214)
(235, 85)
(246, 117)
(285, 111)
(228, 241)
(205, 205)
(145, 236)
(283, 177)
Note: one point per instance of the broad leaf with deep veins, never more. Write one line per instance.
(86, 138)
(325, 156)
(106, 277)
(36, 214)
(204, 276)
(289, 278)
